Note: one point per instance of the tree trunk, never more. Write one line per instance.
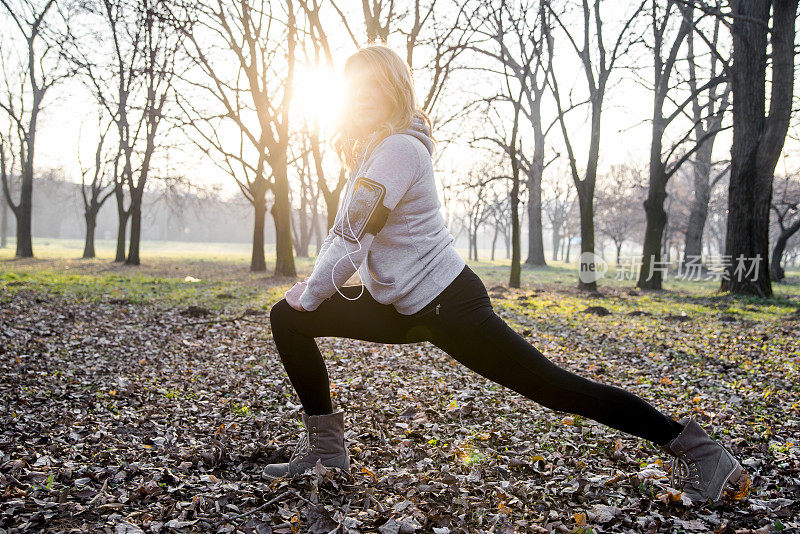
(656, 221)
(280, 211)
(494, 240)
(331, 205)
(516, 252)
(556, 243)
(516, 245)
(650, 275)
(655, 215)
(301, 232)
(259, 203)
(585, 190)
(586, 205)
(693, 244)
(91, 222)
(122, 229)
(136, 232)
(535, 238)
(122, 222)
(25, 209)
(23, 213)
(757, 140)
(776, 270)
(3, 222)
(257, 261)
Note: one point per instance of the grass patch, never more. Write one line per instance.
(217, 276)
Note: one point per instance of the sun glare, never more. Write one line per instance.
(317, 94)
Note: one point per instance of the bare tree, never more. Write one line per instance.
(22, 99)
(377, 29)
(114, 86)
(99, 189)
(245, 55)
(508, 143)
(3, 222)
(676, 208)
(572, 228)
(619, 205)
(474, 199)
(758, 134)
(513, 150)
(709, 108)
(557, 207)
(515, 35)
(786, 207)
(444, 28)
(597, 69)
(450, 197)
(500, 213)
(304, 218)
(133, 80)
(665, 56)
(8, 165)
(162, 41)
(664, 163)
(714, 235)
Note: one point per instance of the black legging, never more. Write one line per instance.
(467, 328)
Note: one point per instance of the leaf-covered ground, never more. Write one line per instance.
(125, 412)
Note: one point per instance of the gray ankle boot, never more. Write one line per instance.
(323, 440)
(702, 467)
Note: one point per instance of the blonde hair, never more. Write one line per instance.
(397, 81)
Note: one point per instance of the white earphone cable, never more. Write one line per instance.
(346, 206)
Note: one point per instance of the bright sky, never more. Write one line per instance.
(69, 124)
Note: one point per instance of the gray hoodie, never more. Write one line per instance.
(392, 231)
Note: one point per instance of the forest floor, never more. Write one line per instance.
(149, 399)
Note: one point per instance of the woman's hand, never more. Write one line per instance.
(293, 296)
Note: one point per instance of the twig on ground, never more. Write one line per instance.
(237, 517)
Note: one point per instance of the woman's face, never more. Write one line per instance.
(366, 103)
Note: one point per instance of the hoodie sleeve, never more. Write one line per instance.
(394, 167)
(325, 244)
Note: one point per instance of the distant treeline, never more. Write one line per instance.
(169, 216)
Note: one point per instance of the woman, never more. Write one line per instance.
(416, 287)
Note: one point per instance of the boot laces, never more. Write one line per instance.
(301, 449)
(683, 471)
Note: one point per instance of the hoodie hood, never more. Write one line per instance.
(419, 129)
